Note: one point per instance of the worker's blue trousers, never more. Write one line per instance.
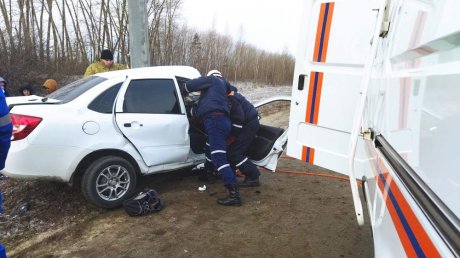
(218, 127)
(236, 152)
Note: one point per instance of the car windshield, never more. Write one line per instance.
(71, 91)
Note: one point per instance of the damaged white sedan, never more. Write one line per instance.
(103, 132)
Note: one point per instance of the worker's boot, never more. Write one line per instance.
(233, 199)
(250, 182)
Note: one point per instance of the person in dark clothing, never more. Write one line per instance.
(26, 89)
(245, 124)
(213, 110)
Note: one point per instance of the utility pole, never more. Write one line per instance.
(138, 34)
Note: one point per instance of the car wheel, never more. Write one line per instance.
(108, 181)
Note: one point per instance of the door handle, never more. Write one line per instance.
(135, 124)
(301, 81)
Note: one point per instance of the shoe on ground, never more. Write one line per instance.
(233, 198)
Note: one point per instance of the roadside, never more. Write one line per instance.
(288, 216)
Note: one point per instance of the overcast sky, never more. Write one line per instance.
(266, 24)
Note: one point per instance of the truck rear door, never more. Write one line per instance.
(333, 49)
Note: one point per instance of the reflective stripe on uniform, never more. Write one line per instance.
(237, 126)
(5, 120)
(239, 164)
(208, 159)
(218, 151)
(207, 144)
(223, 166)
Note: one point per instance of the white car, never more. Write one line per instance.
(104, 131)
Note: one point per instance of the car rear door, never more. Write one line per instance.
(271, 139)
(151, 116)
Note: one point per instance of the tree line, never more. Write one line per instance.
(42, 39)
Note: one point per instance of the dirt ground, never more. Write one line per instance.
(289, 215)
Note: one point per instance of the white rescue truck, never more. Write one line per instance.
(376, 96)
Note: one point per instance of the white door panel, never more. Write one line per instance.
(330, 62)
(151, 116)
(159, 138)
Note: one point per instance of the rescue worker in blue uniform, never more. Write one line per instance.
(245, 124)
(213, 110)
(6, 130)
(3, 86)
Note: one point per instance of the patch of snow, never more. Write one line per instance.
(257, 92)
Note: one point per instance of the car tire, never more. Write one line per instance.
(109, 181)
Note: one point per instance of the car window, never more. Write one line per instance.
(155, 96)
(104, 102)
(181, 82)
(71, 91)
(275, 113)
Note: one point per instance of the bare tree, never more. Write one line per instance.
(44, 38)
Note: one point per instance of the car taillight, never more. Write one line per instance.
(23, 125)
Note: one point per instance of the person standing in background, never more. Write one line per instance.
(105, 64)
(26, 89)
(50, 86)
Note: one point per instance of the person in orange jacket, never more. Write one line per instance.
(50, 86)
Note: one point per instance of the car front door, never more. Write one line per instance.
(150, 115)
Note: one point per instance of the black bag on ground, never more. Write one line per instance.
(145, 202)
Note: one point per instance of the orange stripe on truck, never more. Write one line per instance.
(316, 78)
(413, 236)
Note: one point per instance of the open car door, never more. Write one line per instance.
(271, 139)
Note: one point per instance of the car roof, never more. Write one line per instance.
(167, 71)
